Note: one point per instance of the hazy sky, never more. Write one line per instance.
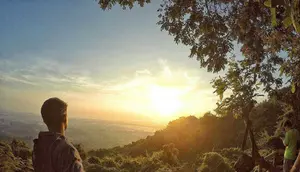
(108, 64)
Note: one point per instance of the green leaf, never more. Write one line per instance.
(273, 14)
(268, 3)
(293, 15)
(287, 22)
(293, 89)
(281, 70)
(297, 27)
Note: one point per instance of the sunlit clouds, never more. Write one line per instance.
(163, 94)
(115, 65)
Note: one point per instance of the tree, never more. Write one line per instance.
(80, 149)
(266, 31)
(212, 27)
(241, 81)
(108, 4)
(265, 116)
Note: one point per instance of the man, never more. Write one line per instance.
(277, 147)
(52, 152)
(290, 143)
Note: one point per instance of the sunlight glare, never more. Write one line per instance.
(165, 101)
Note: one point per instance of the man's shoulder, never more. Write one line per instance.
(294, 131)
(65, 149)
(65, 156)
(297, 132)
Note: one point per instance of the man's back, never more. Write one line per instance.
(291, 139)
(53, 153)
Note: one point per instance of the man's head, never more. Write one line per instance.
(287, 125)
(54, 113)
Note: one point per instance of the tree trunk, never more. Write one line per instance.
(263, 164)
(245, 136)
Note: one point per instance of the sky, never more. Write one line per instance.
(115, 65)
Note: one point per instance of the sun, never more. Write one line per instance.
(165, 101)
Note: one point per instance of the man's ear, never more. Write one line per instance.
(64, 118)
(65, 121)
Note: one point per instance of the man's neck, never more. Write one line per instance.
(60, 131)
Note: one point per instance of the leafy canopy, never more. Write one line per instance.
(266, 31)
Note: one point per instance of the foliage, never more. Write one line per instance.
(211, 28)
(170, 153)
(190, 136)
(214, 162)
(81, 151)
(14, 157)
(265, 116)
(101, 152)
(231, 154)
(241, 82)
(175, 148)
(158, 161)
(20, 149)
(108, 4)
(94, 160)
(268, 42)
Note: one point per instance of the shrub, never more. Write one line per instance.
(214, 162)
(81, 151)
(20, 149)
(108, 162)
(94, 160)
(170, 154)
(99, 168)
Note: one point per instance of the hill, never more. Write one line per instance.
(110, 133)
(181, 141)
(191, 136)
(186, 144)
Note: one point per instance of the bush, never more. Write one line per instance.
(170, 154)
(94, 160)
(231, 154)
(20, 149)
(99, 168)
(11, 163)
(108, 162)
(81, 151)
(131, 164)
(214, 162)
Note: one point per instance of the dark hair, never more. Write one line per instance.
(287, 123)
(53, 111)
(275, 143)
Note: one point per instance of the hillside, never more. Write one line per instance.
(15, 157)
(191, 136)
(111, 133)
(182, 140)
(186, 144)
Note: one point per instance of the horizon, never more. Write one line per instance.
(100, 65)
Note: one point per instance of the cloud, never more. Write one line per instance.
(7, 78)
(91, 92)
(144, 72)
(45, 73)
(50, 73)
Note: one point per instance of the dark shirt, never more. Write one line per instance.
(53, 153)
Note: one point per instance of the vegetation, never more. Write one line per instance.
(268, 33)
(266, 30)
(15, 157)
(208, 143)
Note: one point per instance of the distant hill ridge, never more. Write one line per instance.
(184, 145)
